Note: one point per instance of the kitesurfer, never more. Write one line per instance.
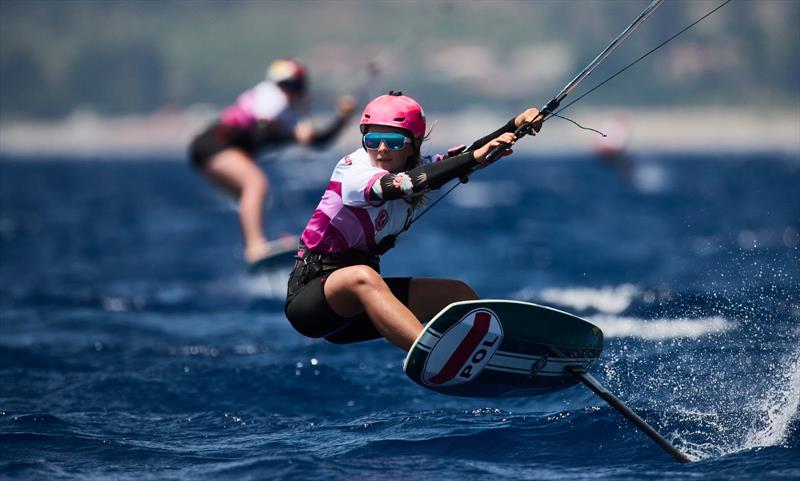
(336, 290)
(268, 115)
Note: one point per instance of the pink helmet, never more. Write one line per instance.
(395, 110)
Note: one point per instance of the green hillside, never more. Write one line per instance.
(136, 56)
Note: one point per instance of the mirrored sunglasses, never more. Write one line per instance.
(393, 141)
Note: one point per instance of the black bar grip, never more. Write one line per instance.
(522, 131)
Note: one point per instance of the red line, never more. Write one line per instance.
(464, 350)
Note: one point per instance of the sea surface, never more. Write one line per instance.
(133, 346)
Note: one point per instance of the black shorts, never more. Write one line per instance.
(310, 314)
(215, 139)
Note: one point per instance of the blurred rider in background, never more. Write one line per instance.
(271, 114)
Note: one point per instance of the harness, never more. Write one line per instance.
(314, 264)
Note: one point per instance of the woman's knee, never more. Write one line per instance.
(353, 284)
(365, 278)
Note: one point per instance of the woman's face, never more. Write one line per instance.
(392, 160)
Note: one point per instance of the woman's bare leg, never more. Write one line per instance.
(235, 172)
(356, 289)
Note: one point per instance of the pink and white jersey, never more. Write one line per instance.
(345, 219)
(264, 102)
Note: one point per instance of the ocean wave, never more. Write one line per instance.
(270, 285)
(608, 299)
(38, 421)
(660, 329)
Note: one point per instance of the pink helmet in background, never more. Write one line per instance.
(395, 110)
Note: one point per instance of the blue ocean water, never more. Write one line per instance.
(133, 345)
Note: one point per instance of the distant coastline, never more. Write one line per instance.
(166, 133)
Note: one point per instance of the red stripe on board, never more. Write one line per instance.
(464, 350)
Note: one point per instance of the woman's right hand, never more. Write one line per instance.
(507, 138)
(530, 116)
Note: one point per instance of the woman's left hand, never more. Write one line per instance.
(530, 116)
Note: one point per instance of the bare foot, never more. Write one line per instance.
(260, 251)
(254, 253)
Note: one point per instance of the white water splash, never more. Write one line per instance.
(765, 421)
(778, 408)
(612, 300)
(269, 284)
(650, 179)
(660, 329)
